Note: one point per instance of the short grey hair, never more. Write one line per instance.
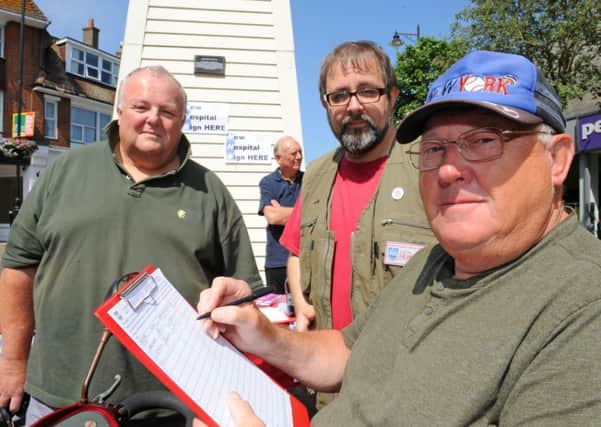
(277, 147)
(546, 133)
(155, 70)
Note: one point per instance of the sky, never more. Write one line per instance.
(318, 27)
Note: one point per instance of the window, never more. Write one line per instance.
(93, 65)
(110, 73)
(50, 117)
(2, 41)
(77, 61)
(88, 126)
(106, 72)
(103, 120)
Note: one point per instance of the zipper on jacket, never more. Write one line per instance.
(375, 257)
(325, 278)
(390, 221)
(351, 284)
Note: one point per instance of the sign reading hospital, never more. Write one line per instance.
(589, 133)
(202, 117)
(248, 148)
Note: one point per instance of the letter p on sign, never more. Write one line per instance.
(588, 128)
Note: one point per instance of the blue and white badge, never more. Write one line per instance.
(399, 253)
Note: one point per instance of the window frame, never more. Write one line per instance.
(89, 68)
(2, 41)
(98, 130)
(113, 72)
(78, 61)
(51, 100)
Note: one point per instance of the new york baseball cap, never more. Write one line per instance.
(507, 84)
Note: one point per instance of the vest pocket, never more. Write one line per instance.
(389, 222)
(399, 241)
(307, 245)
(316, 269)
(406, 231)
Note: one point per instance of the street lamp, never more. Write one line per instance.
(12, 213)
(397, 42)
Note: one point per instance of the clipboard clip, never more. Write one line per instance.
(139, 291)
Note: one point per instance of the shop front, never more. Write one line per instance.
(588, 141)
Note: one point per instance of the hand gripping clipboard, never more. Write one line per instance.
(158, 326)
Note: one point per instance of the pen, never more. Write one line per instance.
(257, 293)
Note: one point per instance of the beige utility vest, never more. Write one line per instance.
(393, 216)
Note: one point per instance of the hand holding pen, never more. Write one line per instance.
(256, 293)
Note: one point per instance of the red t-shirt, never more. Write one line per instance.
(354, 187)
(290, 238)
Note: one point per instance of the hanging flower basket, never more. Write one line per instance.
(17, 148)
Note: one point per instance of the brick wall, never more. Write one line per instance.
(33, 43)
(64, 123)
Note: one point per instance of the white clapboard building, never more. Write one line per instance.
(235, 59)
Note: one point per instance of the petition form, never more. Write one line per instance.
(164, 326)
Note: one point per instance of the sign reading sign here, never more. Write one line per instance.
(248, 147)
(202, 117)
(589, 133)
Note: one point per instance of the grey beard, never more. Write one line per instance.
(361, 141)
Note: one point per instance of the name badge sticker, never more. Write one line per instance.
(399, 253)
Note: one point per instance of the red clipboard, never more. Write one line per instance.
(299, 414)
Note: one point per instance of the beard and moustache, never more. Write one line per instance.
(359, 140)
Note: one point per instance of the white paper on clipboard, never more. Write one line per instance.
(164, 326)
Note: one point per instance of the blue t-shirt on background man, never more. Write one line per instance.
(275, 187)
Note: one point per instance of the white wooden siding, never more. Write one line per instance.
(259, 86)
(186, 53)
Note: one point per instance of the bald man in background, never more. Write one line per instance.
(279, 191)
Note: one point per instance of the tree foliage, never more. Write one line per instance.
(563, 37)
(419, 65)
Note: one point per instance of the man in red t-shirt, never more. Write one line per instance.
(354, 187)
(358, 89)
(359, 217)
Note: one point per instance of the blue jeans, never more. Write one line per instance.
(36, 410)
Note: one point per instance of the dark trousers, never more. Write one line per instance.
(276, 277)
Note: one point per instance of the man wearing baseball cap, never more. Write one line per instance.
(499, 324)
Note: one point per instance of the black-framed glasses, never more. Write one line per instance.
(476, 145)
(367, 95)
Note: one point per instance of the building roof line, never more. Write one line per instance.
(86, 46)
(71, 96)
(29, 20)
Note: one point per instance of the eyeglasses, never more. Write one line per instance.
(476, 145)
(368, 95)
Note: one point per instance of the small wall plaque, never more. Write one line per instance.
(204, 64)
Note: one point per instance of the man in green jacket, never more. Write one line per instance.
(499, 324)
(96, 213)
